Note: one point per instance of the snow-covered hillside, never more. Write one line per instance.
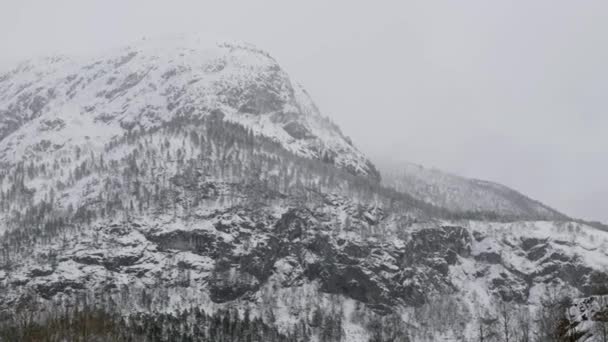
(171, 177)
(461, 194)
(49, 106)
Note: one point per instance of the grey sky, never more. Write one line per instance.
(510, 91)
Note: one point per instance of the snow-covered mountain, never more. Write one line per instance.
(52, 105)
(143, 186)
(460, 194)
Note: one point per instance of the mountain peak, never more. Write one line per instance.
(61, 101)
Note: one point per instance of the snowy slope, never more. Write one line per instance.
(343, 258)
(461, 194)
(50, 105)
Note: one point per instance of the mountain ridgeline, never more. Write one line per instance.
(179, 190)
(459, 194)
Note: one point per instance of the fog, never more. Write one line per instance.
(510, 91)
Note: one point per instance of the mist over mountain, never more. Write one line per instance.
(188, 190)
(460, 194)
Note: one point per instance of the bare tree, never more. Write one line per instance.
(506, 317)
(486, 328)
(601, 319)
(523, 324)
(552, 322)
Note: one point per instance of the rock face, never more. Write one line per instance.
(161, 178)
(235, 253)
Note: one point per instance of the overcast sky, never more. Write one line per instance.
(510, 91)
